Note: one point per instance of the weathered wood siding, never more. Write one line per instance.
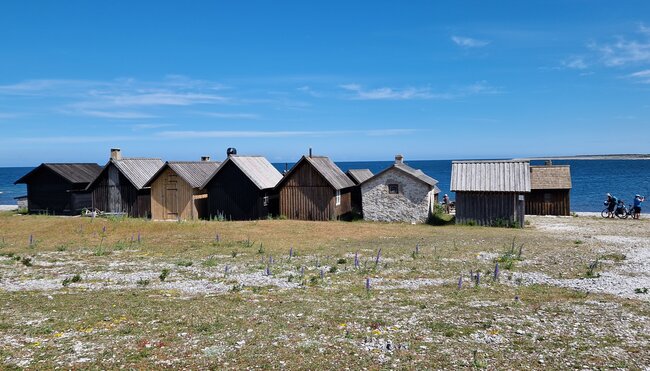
(489, 208)
(234, 196)
(114, 193)
(306, 195)
(172, 198)
(548, 202)
(47, 193)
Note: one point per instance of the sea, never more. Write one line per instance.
(592, 179)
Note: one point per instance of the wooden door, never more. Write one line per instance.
(170, 200)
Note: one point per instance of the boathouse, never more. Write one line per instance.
(399, 193)
(358, 176)
(550, 189)
(490, 193)
(120, 187)
(315, 189)
(176, 192)
(58, 189)
(242, 188)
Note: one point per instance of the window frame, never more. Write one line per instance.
(392, 186)
(338, 197)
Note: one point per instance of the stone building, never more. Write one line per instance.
(399, 193)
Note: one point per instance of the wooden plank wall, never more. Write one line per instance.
(48, 193)
(233, 195)
(169, 184)
(306, 195)
(558, 202)
(134, 203)
(487, 208)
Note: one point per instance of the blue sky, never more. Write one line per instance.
(353, 80)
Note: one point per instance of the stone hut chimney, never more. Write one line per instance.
(205, 158)
(399, 159)
(116, 154)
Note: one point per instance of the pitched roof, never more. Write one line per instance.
(193, 172)
(257, 168)
(417, 174)
(74, 173)
(359, 175)
(332, 173)
(327, 169)
(137, 170)
(550, 177)
(490, 176)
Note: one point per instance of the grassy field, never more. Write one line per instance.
(78, 293)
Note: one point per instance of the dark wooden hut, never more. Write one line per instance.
(490, 192)
(120, 187)
(58, 189)
(358, 176)
(315, 189)
(176, 192)
(550, 188)
(242, 188)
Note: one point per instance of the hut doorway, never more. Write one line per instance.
(171, 196)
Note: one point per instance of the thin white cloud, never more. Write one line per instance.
(111, 114)
(192, 134)
(625, 51)
(7, 115)
(411, 93)
(576, 63)
(139, 127)
(468, 42)
(641, 76)
(230, 115)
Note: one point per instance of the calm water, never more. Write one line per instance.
(592, 179)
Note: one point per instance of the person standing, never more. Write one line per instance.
(611, 205)
(638, 200)
(445, 201)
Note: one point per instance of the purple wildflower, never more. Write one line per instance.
(496, 271)
(378, 256)
(270, 259)
(368, 284)
(356, 260)
(104, 229)
(460, 282)
(139, 239)
(322, 274)
(417, 248)
(291, 252)
(217, 238)
(268, 270)
(225, 271)
(31, 239)
(132, 238)
(478, 278)
(302, 271)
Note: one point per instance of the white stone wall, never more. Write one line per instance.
(410, 205)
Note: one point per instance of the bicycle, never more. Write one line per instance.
(620, 211)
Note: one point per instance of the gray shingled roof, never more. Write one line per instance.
(550, 177)
(137, 170)
(257, 168)
(332, 173)
(78, 173)
(359, 175)
(193, 172)
(415, 173)
(490, 176)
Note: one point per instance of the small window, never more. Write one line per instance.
(266, 201)
(393, 189)
(338, 197)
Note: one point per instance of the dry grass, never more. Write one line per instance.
(414, 316)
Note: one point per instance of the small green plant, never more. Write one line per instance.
(3, 244)
(233, 254)
(342, 261)
(220, 217)
(184, 263)
(333, 269)
(74, 279)
(641, 290)
(476, 362)
(210, 262)
(101, 251)
(511, 255)
(578, 242)
(471, 223)
(27, 261)
(62, 247)
(164, 274)
(616, 256)
(143, 282)
(261, 249)
(237, 287)
(591, 269)
(313, 280)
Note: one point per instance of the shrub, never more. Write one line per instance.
(74, 279)
(143, 282)
(342, 261)
(27, 261)
(163, 275)
(184, 263)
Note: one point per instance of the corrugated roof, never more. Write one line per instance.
(258, 169)
(550, 177)
(415, 173)
(490, 176)
(359, 175)
(138, 170)
(193, 172)
(78, 173)
(332, 173)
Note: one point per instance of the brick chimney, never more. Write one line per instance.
(399, 159)
(205, 158)
(116, 154)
